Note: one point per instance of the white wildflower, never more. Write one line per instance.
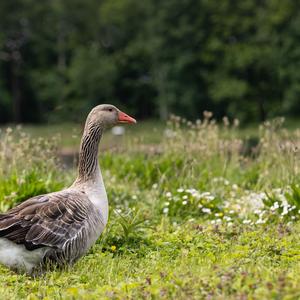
(155, 186)
(235, 187)
(206, 210)
(260, 221)
(274, 206)
(285, 210)
(205, 194)
(191, 191)
(246, 221)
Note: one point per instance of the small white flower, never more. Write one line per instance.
(191, 191)
(184, 202)
(229, 224)
(246, 221)
(185, 197)
(205, 194)
(180, 190)
(166, 210)
(167, 203)
(260, 221)
(285, 211)
(154, 186)
(206, 210)
(168, 194)
(235, 187)
(262, 213)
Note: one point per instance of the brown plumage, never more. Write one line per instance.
(55, 220)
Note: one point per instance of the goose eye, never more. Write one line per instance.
(110, 109)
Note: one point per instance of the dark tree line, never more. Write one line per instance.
(59, 58)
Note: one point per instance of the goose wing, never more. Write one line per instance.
(55, 220)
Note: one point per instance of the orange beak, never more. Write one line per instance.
(123, 118)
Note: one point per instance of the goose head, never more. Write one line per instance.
(107, 115)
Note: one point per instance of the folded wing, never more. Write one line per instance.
(62, 221)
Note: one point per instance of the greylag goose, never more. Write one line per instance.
(60, 227)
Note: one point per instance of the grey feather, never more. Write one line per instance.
(65, 221)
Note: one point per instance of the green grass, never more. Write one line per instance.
(189, 262)
(192, 216)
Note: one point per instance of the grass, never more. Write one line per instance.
(199, 214)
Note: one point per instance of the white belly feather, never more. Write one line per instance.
(17, 257)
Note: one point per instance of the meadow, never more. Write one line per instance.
(198, 210)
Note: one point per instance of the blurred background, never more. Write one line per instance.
(151, 58)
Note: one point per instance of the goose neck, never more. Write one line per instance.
(88, 166)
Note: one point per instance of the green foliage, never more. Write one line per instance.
(28, 167)
(19, 187)
(294, 195)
